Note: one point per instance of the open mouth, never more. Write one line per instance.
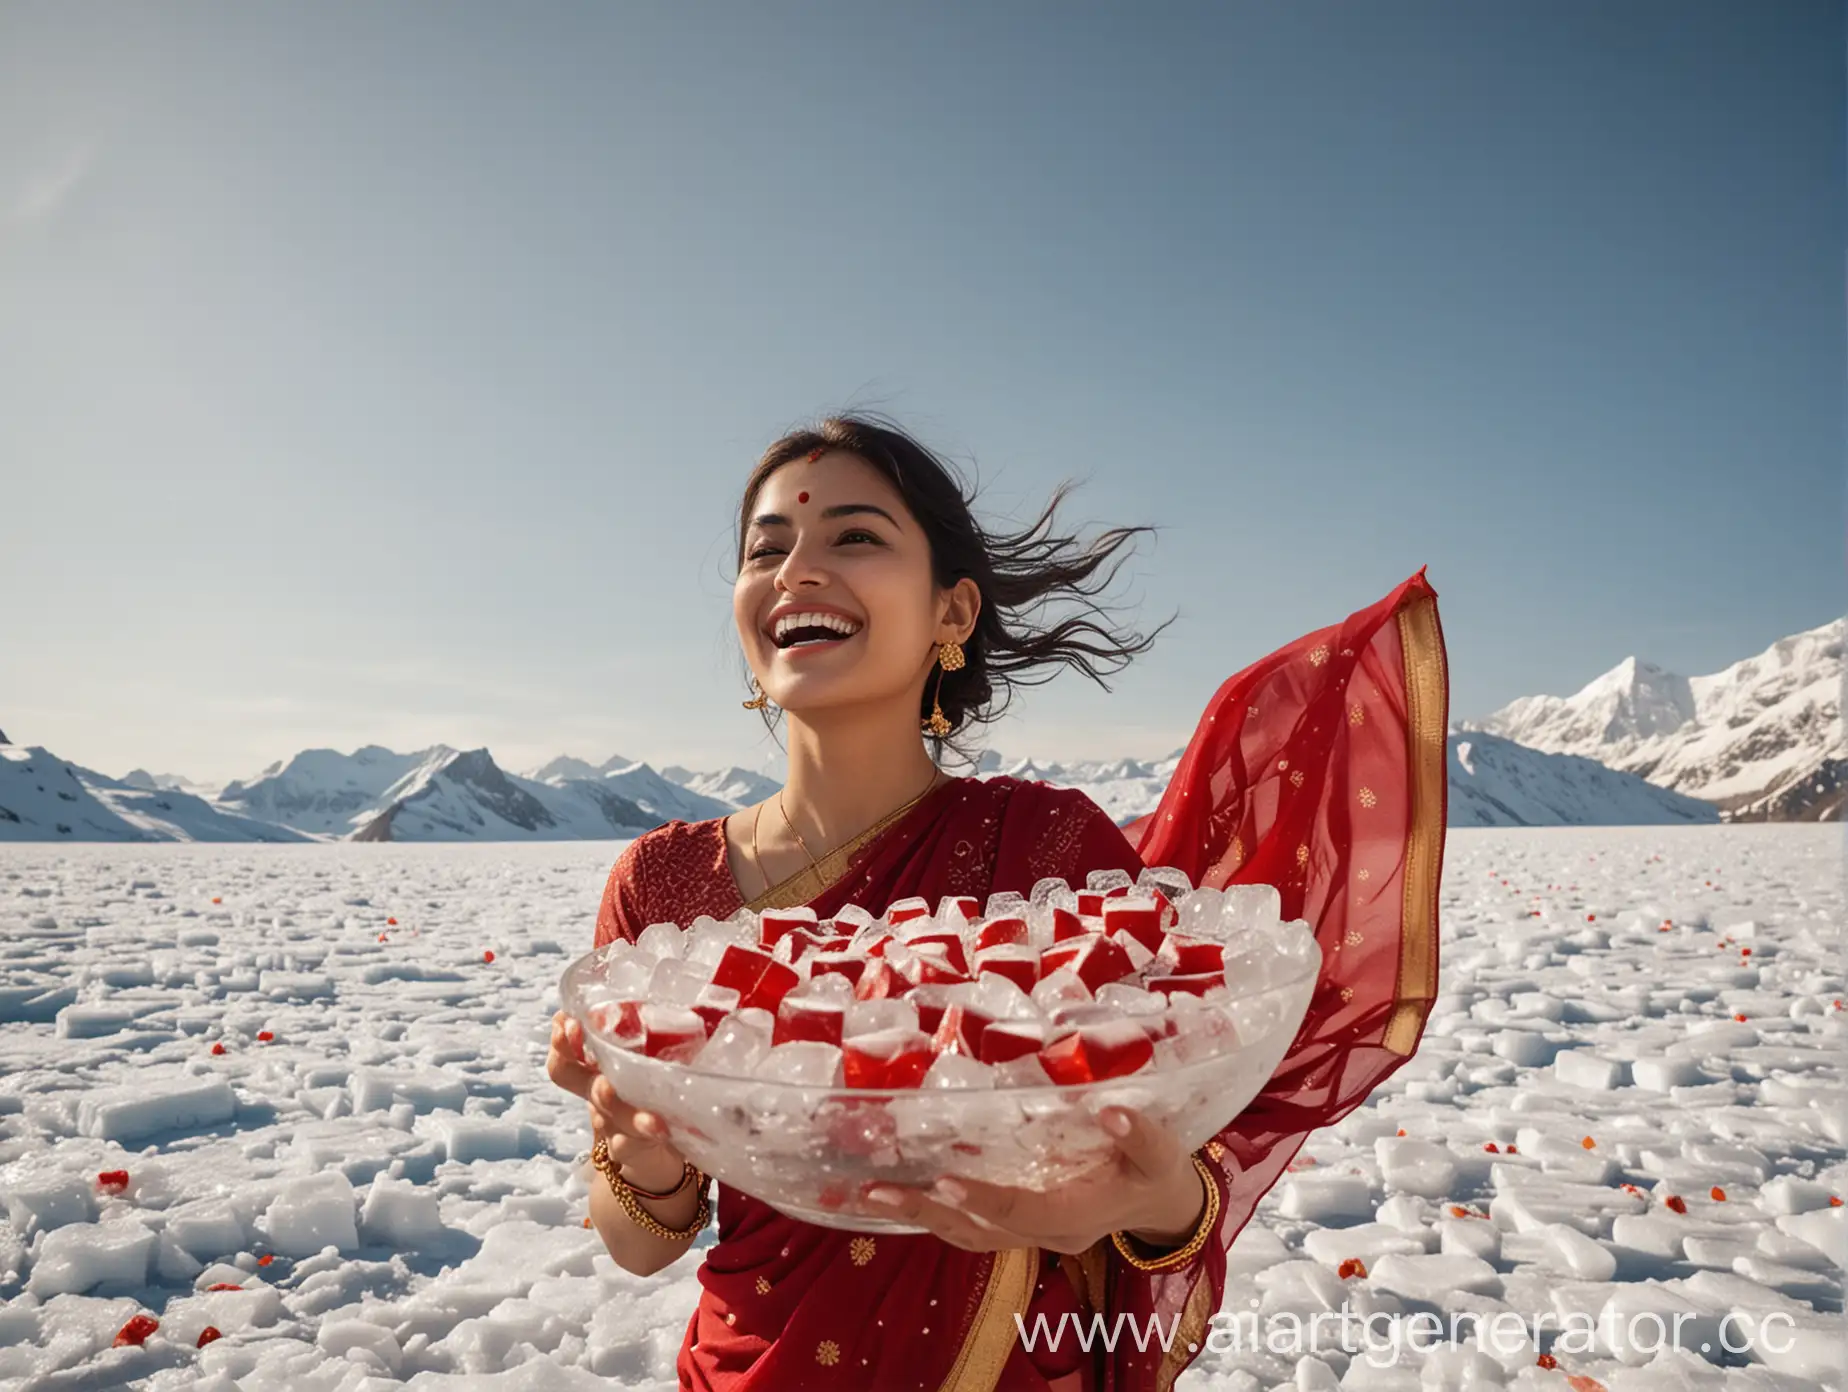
(812, 631)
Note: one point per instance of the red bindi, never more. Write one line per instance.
(801, 497)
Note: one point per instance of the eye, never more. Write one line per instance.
(861, 534)
(760, 552)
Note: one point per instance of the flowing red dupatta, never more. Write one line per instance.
(1319, 769)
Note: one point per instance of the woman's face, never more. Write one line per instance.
(835, 602)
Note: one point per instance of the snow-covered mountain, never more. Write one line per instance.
(1760, 740)
(435, 794)
(734, 786)
(664, 799)
(1496, 782)
(1493, 782)
(45, 798)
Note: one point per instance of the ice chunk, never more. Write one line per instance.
(1049, 891)
(707, 940)
(311, 1213)
(1250, 906)
(806, 1062)
(399, 1215)
(80, 1256)
(1416, 1167)
(872, 1016)
(736, 1047)
(660, 940)
(1200, 914)
(207, 1229)
(1006, 903)
(140, 1110)
(959, 1071)
(1126, 999)
(1103, 881)
(1173, 884)
(41, 1195)
(1061, 987)
(675, 982)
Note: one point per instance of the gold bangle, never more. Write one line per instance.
(1181, 1256)
(648, 1223)
(600, 1157)
(629, 1197)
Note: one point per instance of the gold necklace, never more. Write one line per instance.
(902, 807)
(757, 815)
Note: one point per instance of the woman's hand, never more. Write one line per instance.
(635, 1139)
(1150, 1190)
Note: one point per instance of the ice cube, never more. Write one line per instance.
(829, 986)
(1103, 881)
(676, 982)
(1048, 891)
(852, 918)
(707, 940)
(1171, 882)
(1300, 953)
(736, 1048)
(998, 998)
(1006, 903)
(1062, 987)
(1250, 906)
(1130, 1000)
(1027, 1071)
(872, 1016)
(806, 1062)
(1200, 914)
(627, 976)
(958, 1071)
(659, 940)
(907, 909)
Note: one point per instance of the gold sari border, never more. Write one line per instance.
(1427, 709)
(991, 1334)
(812, 881)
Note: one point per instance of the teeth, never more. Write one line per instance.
(814, 620)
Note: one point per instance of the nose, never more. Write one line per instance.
(801, 569)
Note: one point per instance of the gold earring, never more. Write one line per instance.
(949, 659)
(759, 701)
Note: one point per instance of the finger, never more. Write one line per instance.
(574, 1037)
(958, 1229)
(997, 1205)
(1149, 1149)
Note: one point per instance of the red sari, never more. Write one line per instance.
(1320, 770)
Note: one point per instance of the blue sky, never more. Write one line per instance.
(388, 374)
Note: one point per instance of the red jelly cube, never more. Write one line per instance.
(1066, 925)
(622, 1021)
(931, 1002)
(879, 982)
(877, 945)
(906, 909)
(1007, 1040)
(671, 1032)
(210, 1333)
(1097, 1052)
(931, 966)
(808, 1017)
(960, 1031)
(1096, 959)
(950, 943)
(1140, 918)
(1169, 914)
(848, 964)
(999, 931)
(797, 943)
(1016, 961)
(1191, 956)
(894, 1058)
(1195, 985)
(714, 1004)
(759, 979)
(775, 924)
(1090, 903)
(112, 1181)
(136, 1331)
(963, 904)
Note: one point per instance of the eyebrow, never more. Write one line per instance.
(776, 519)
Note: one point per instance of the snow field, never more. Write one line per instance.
(384, 1190)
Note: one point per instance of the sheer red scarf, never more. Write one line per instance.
(1319, 769)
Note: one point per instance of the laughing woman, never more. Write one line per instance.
(879, 618)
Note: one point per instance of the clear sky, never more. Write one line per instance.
(387, 374)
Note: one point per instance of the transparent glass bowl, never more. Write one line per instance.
(811, 1152)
